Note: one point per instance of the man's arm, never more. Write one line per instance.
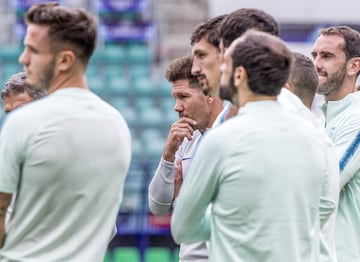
(347, 146)
(161, 188)
(5, 199)
(190, 222)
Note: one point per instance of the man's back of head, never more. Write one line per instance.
(238, 22)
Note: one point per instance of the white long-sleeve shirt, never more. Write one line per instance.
(161, 192)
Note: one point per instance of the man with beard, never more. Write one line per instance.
(197, 112)
(16, 93)
(65, 156)
(233, 26)
(336, 54)
(262, 200)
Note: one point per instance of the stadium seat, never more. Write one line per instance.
(130, 115)
(92, 70)
(167, 104)
(10, 53)
(96, 84)
(137, 147)
(113, 71)
(96, 57)
(144, 103)
(144, 86)
(119, 86)
(176, 254)
(115, 54)
(157, 254)
(139, 54)
(107, 257)
(163, 88)
(152, 117)
(138, 71)
(8, 69)
(126, 254)
(120, 102)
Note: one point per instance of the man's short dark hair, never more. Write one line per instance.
(303, 78)
(208, 29)
(73, 28)
(179, 69)
(238, 22)
(266, 59)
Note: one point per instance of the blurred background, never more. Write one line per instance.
(137, 39)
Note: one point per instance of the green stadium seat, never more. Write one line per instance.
(144, 103)
(115, 54)
(8, 69)
(119, 85)
(92, 70)
(107, 257)
(139, 54)
(126, 254)
(157, 254)
(136, 147)
(97, 57)
(140, 71)
(144, 86)
(96, 84)
(176, 254)
(167, 104)
(119, 102)
(163, 87)
(129, 114)
(10, 53)
(113, 71)
(152, 117)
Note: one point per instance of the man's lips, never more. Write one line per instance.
(201, 78)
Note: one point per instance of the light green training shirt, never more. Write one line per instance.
(66, 157)
(342, 126)
(263, 172)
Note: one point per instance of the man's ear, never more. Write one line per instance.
(65, 60)
(353, 66)
(240, 76)
(289, 86)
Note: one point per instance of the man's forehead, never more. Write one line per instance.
(203, 46)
